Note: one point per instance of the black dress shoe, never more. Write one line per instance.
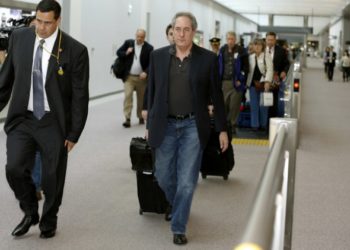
(127, 123)
(180, 239)
(47, 234)
(23, 227)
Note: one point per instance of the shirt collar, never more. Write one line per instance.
(51, 39)
(172, 51)
(272, 49)
(139, 45)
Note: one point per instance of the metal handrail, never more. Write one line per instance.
(291, 99)
(259, 228)
(259, 231)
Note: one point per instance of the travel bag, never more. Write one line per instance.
(215, 162)
(141, 155)
(151, 196)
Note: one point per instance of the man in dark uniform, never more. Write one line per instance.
(215, 44)
(46, 74)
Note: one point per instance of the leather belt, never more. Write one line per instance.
(181, 117)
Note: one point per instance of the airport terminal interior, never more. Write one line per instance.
(289, 186)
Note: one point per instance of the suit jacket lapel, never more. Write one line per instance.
(166, 67)
(28, 61)
(195, 62)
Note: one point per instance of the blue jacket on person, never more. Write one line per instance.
(240, 66)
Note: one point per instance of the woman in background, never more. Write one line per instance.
(259, 79)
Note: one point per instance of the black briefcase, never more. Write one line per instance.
(141, 154)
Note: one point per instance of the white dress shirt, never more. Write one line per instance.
(136, 68)
(270, 51)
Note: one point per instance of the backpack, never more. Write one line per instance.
(119, 68)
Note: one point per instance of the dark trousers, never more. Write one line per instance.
(330, 72)
(22, 144)
(326, 68)
(273, 110)
(346, 73)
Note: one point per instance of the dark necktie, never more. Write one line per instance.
(38, 86)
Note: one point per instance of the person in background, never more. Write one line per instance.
(36, 175)
(182, 79)
(250, 48)
(331, 58)
(260, 71)
(345, 64)
(169, 34)
(325, 61)
(233, 70)
(43, 114)
(215, 45)
(280, 67)
(135, 53)
(286, 48)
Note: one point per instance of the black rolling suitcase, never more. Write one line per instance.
(151, 196)
(214, 162)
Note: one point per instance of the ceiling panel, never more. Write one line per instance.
(287, 7)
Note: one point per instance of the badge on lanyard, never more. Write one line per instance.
(60, 71)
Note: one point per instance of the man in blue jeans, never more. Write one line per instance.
(183, 80)
(36, 175)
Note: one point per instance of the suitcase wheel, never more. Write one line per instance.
(140, 211)
(167, 217)
(225, 177)
(204, 176)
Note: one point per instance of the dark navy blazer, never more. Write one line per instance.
(205, 86)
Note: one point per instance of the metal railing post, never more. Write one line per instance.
(291, 146)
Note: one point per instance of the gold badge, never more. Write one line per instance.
(60, 71)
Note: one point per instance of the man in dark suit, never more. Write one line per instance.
(183, 80)
(46, 72)
(331, 57)
(135, 54)
(280, 67)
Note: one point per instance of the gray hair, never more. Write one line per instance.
(231, 33)
(141, 30)
(186, 14)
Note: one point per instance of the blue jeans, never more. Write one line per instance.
(258, 114)
(177, 166)
(36, 173)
